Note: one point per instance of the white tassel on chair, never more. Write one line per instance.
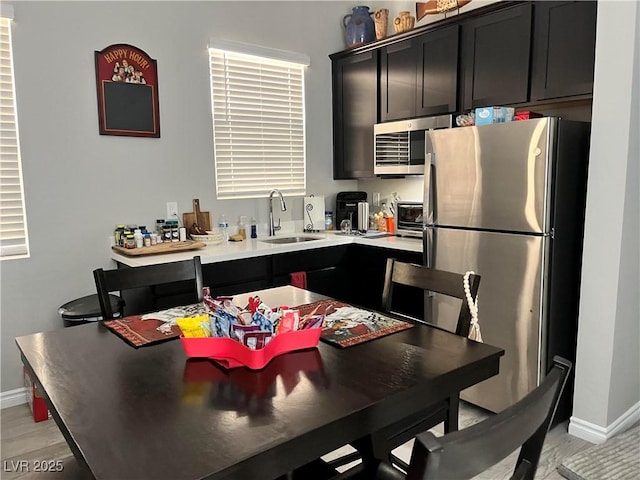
(474, 331)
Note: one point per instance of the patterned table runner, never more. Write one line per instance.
(345, 325)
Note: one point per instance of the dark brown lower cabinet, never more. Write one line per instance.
(366, 266)
(351, 273)
(237, 276)
(325, 269)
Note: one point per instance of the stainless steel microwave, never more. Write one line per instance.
(399, 146)
(409, 219)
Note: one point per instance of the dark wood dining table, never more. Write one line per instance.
(151, 413)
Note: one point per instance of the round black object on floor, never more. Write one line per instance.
(87, 309)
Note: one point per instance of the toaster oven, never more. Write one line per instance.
(409, 219)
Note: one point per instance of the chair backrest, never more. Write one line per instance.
(430, 279)
(469, 452)
(151, 275)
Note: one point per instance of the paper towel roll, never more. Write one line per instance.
(313, 214)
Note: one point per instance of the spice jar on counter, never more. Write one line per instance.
(117, 234)
(328, 220)
(166, 233)
(130, 241)
(138, 238)
(160, 229)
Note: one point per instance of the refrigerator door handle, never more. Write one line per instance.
(433, 178)
(427, 247)
(429, 210)
(428, 256)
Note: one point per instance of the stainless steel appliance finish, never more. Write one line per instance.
(363, 217)
(409, 219)
(399, 146)
(507, 201)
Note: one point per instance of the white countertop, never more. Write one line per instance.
(255, 248)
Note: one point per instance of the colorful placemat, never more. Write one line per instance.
(140, 332)
(346, 325)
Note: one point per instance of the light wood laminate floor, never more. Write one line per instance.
(26, 444)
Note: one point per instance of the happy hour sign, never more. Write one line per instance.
(127, 85)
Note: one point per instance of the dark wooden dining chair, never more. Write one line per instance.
(432, 280)
(146, 276)
(424, 279)
(469, 452)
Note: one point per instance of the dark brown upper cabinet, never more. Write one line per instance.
(437, 91)
(563, 49)
(496, 51)
(505, 53)
(398, 81)
(419, 76)
(355, 111)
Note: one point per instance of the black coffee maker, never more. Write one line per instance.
(347, 207)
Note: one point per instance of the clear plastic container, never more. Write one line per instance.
(242, 227)
(224, 227)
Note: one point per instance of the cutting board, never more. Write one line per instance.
(165, 247)
(203, 219)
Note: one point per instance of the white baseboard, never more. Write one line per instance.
(596, 434)
(14, 397)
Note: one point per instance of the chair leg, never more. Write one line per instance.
(451, 422)
(370, 461)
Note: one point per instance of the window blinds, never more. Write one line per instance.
(13, 227)
(258, 124)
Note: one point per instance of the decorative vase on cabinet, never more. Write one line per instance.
(359, 26)
(404, 22)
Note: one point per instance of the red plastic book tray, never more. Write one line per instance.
(231, 354)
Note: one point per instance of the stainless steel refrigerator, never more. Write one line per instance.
(507, 201)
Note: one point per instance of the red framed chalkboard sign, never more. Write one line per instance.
(127, 83)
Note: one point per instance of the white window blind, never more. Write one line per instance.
(13, 226)
(258, 123)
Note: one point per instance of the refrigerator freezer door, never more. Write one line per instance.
(492, 177)
(510, 309)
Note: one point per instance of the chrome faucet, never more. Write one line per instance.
(272, 228)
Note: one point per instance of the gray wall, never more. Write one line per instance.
(608, 360)
(625, 371)
(79, 184)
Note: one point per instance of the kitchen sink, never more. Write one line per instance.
(290, 239)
